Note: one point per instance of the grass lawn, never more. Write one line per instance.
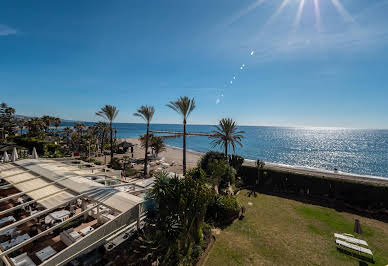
(286, 232)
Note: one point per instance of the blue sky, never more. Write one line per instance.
(323, 67)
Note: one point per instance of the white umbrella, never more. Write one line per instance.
(5, 157)
(34, 154)
(14, 155)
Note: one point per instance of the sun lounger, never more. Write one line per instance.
(352, 247)
(351, 239)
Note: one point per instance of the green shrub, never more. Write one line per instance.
(116, 164)
(222, 210)
(236, 161)
(130, 171)
(97, 162)
(208, 157)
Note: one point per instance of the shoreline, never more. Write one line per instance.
(173, 153)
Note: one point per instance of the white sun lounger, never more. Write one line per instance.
(353, 247)
(351, 239)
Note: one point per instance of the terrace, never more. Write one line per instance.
(52, 211)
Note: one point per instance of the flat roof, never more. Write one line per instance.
(40, 178)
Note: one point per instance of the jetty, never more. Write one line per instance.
(175, 134)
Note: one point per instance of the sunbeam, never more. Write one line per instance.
(278, 12)
(298, 15)
(344, 13)
(317, 16)
(245, 11)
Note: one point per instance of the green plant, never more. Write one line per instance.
(210, 156)
(183, 106)
(174, 224)
(109, 113)
(146, 113)
(116, 164)
(226, 134)
(130, 171)
(222, 210)
(236, 161)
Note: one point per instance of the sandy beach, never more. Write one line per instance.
(171, 154)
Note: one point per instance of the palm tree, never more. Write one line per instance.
(21, 123)
(47, 120)
(226, 134)
(57, 123)
(183, 106)
(146, 112)
(109, 113)
(158, 145)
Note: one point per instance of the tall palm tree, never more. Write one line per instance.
(183, 106)
(109, 112)
(226, 134)
(47, 120)
(21, 123)
(146, 112)
(57, 123)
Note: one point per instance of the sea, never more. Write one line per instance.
(355, 151)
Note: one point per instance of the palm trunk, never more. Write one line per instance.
(146, 150)
(226, 148)
(184, 147)
(111, 142)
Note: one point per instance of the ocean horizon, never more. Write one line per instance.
(353, 151)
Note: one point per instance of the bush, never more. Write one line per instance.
(208, 157)
(116, 164)
(97, 162)
(41, 146)
(222, 210)
(248, 175)
(130, 171)
(236, 161)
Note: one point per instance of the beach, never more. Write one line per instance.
(173, 154)
(170, 155)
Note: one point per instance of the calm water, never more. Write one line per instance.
(349, 150)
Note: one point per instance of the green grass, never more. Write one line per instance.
(286, 232)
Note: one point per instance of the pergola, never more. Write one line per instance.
(54, 185)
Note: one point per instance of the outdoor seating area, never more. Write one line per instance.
(46, 206)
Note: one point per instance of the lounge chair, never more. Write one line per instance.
(361, 251)
(350, 239)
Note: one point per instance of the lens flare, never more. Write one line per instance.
(299, 15)
(344, 13)
(317, 16)
(278, 12)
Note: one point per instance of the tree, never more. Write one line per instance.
(146, 113)
(183, 106)
(101, 133)
(68, 131)
(57, 122)
(35, 126)
(109, 113)
(7, 119)
(21, 123)
(47, 121)
(79, 128)
(175, 224)
(226, 134)
(157, 144)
